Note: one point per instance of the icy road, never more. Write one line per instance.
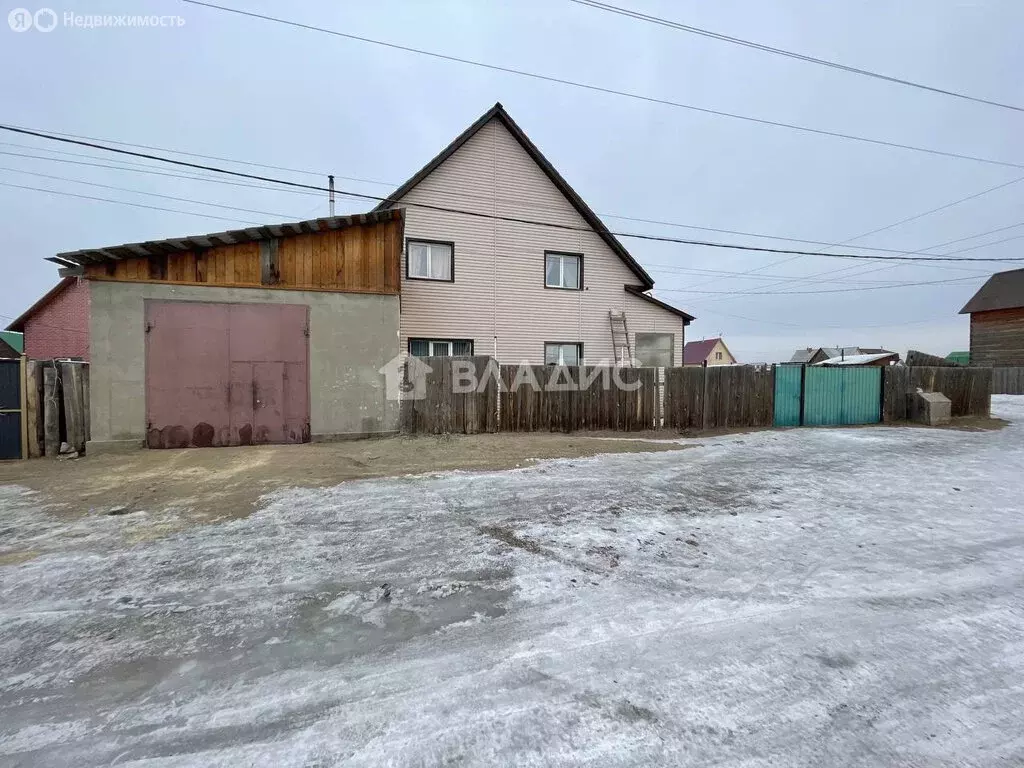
(841, 597)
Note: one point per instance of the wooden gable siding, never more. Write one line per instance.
(997, 337)
(361, 259)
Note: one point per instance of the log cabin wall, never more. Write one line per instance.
(359, 259)
(997, 337)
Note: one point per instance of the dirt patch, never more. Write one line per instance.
(217, 483)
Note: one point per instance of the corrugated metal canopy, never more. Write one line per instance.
(231, 237)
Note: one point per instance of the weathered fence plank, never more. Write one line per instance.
(969, 389)
(1008, 380)
(895, 387)
(51, 411)
(34, 408)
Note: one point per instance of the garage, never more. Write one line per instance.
(226, 374)
(282, 333)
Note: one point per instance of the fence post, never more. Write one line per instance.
(803, 390)
(51, 410)
(22, 370)
(704, 398)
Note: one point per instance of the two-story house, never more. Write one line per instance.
(502, 257)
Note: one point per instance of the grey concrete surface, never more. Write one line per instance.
(351, 337)
(807, 597)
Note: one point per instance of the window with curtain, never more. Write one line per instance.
(562, 353)
(563, 270)
(430, 260)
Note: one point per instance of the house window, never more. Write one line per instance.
(562, 353)
(654, 350)
(718, 355)
(563, 270)
(440, 347)
(430, 260)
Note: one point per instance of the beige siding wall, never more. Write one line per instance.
(498, 297)
(727, 359)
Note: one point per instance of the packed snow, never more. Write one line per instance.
(807, 597)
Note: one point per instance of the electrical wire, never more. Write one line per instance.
(601, 89)
(511, 219)
(782, 52)
(148, 168)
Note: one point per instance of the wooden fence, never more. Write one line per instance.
(475, 394)
(433, 404)
(1008, 380)
(968, 389)
(716, 397)
(57, 406)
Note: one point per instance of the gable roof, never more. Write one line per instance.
(497, 112)
(7, 351)
(14, 340)
(638, 291)
(19, 323)
(1004, 290)
(697, 351)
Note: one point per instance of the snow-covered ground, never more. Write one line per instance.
(840, 597)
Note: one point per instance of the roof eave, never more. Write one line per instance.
(18, 324)
(638, 291)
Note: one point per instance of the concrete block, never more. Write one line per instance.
(931, 408)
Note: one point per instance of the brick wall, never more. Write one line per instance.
(61, 328)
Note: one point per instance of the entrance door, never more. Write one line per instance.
(226, 374)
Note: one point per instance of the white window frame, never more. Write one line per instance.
(561, 351)
(562, 257)
(434, 251)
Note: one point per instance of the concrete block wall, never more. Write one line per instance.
(352, 337)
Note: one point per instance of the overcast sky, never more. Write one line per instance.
(257, 91)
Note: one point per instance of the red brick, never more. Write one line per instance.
(61, 327)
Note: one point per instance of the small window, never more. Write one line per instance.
(430, 260)
(562, 353)
(440, 347)
(718, 355)
(563, 270)
(654, 350)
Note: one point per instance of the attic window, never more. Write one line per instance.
(563, 270)
(430, 260)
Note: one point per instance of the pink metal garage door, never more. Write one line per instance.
(226, 374)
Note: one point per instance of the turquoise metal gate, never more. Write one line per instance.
(788, 388)
(842, 395)
(815, 396)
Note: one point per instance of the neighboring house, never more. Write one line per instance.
(57, 325)
(997, 320)
(499, 283)
(815, 355)
(876, 359)
(709, 351)
(273, 334)
(7, 351)
(14, 340)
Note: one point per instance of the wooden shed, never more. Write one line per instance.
(997, 320)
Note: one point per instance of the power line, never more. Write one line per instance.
(782, 52)
(511, 219)
(148, 168)
(831, 290)
(134, 205)
(601, 89)
(144, 192)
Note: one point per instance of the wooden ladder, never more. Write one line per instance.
(620, 339)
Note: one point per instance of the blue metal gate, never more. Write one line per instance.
(816, 396)
(12, 405)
